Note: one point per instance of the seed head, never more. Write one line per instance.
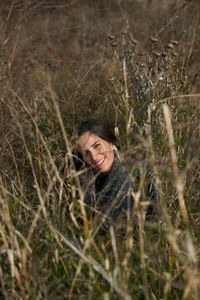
(114, 44)
(134, 41)
(111, 37)
(116, 130)
(170, 46)
(140, 53)
(157, 54)
(153, 39)
(174, 42)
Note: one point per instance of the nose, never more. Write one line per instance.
(93, 155)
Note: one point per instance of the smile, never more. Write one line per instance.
(100, 162)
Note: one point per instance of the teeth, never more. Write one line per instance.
(100, 162)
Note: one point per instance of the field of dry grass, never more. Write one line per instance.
(134, 65)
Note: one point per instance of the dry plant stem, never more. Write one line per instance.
(96, 266)
(28, 239)
(125, 78)
(69, 152)
(11, 243)
(80, 264)
(161, 205)
(39, 158)
(62, 62)
(125, 81)
(25, 206)
(4, 40)
(16, 167)
(5, 213)
(91, 240)
(4, 292)
(142, 256)
(6, 22)
(29, 155)
(158, 34)
(19, 281)
(176, 97)
(191, 270)
(85, 75)
(193, 40)
(33, 172)
(12, 56)
(86, 229)
(114, 245)
(74, 280)
(129, 247)
(3, 236)
(14, 113)
(178, 180)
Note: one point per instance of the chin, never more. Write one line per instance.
(105, 169)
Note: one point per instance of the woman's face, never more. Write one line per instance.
(96, 151)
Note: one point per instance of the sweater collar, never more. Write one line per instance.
(112, 172)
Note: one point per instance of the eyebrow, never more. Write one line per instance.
(96, 142)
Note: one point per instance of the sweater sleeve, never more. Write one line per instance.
(150, 189)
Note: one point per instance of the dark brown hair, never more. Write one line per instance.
(98, 128)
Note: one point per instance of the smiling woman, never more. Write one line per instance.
(108, 184)
(96, 152)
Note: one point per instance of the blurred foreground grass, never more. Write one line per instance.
(52, 81)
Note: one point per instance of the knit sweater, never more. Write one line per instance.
(108, 196)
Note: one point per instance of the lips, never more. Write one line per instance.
(99, 163)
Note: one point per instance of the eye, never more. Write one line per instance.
(87, 152)
(96, 146)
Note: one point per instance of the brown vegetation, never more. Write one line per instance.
(135, 65)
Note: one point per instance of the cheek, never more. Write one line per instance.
(112, 155)
(110, 151)
(107, 148)
(86, 159)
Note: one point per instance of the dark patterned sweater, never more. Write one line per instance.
(108, 196)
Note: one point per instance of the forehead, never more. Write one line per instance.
(87, 140)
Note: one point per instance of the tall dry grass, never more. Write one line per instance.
(151, 100)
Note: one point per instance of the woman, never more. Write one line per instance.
(108, 184)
